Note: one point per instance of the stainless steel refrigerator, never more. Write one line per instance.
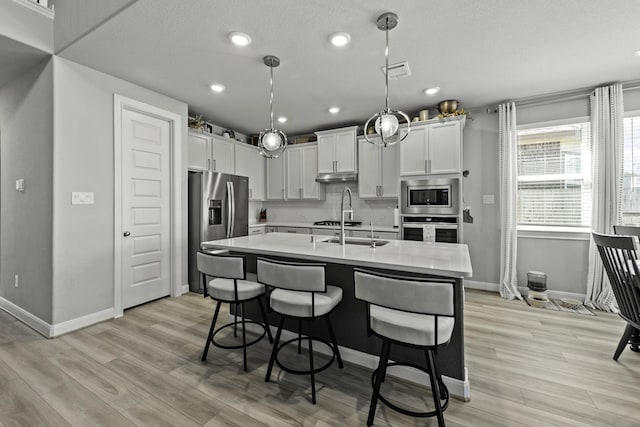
(218, 209)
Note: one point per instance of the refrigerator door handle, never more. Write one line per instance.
(229, 211)
(233, 208)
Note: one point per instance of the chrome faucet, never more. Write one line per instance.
(343, 211)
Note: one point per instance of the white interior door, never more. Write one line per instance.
(146, 204)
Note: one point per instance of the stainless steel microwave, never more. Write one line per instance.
(434, 196)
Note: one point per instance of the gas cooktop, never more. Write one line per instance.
(337, 223)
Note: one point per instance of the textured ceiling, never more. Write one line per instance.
(479, 52)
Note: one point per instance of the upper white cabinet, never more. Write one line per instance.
(211, 153)
(434, 148)
(222, 157)
(250, 163)
(276, 178)
(378, 170)
(199, 151)
(302, 169)
(337, 150)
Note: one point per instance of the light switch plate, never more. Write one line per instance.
(488, 199)
(20, 184)
(82, 197)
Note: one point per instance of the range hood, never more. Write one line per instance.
(337, 177)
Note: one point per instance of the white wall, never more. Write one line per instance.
(26, 147)
(83, 248)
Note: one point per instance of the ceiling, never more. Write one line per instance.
(479, 52)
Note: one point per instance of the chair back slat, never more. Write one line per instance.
(221, 265)
(416, 295)
(619, 258)
(293, 276)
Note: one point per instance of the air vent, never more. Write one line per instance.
(398, 71)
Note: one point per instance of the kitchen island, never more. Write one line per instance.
(398, 257)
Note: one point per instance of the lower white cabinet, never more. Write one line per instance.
(387, 235)
(253, 231)
(250, 163)
(326, 232)
(294, 230)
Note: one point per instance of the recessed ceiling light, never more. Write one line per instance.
(637, 52)
(240, 39)
(334, 110)
(339, 39)
(432, 90)
(282, 119)
(217, 87)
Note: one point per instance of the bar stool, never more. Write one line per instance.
(230, 285)
(413, 312)
(300, 293)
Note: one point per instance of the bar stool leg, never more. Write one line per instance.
(235, 320)
(274, 351)
(435, 387)
(211, 329)
(382, 370)
(264, 318)
(299, 336)
(244, 339)
(313, 376)
(333, 340)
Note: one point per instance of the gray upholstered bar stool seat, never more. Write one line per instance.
(229, 284)
(408, 311)
(300, 293)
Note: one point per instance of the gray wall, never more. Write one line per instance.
(26, 147)
(83, 160)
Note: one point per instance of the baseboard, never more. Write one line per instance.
(457, 388)
(33, 321)
(81, 322)
(494, 287)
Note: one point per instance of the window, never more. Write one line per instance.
(631, 170)
(554, 175)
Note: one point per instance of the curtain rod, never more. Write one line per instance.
(562, 96)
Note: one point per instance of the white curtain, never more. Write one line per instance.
(508, 136)
(607, 115)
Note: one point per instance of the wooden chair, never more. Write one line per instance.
(619, 256)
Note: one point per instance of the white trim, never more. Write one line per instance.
(36, 7)
(81, 322)
(457, 388)
(554, 233)
(633, 113)
(31, 320)
(482, 286)
(120, 103)
(185, 289)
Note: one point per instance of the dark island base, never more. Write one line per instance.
(350, 322)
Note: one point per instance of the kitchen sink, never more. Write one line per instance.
(358, 242)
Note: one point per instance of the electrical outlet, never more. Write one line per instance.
(17, 281)
(488, 199)
(82, 197)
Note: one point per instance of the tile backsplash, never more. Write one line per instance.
(379, 212)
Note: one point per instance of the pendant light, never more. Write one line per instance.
(272, 142)
(387, 121)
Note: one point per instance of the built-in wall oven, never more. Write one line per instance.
(442, 229)
(430, 196)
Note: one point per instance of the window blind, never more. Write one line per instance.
(631, 170)
(554, 176)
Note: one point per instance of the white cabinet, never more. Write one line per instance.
(434, 148)
(337, 150)
(388, 235)
(199, 151)
(378, 170)
(250, 163)
(294, 230)
(326, 231)
(275, 178)
(260, 229)
(302, 169)
(222, 157)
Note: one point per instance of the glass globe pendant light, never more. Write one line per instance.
(387, 121)
(272, 142)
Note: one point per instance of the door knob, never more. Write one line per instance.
(127, 234)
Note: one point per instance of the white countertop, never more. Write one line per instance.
(363, 227)
(443, 259)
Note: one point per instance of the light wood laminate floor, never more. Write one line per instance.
(527, 367)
